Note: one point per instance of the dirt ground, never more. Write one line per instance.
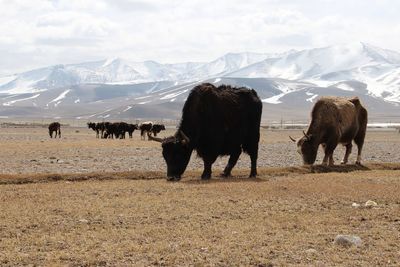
(30, 150)
(79, 201)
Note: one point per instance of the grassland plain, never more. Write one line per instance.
(128, 214)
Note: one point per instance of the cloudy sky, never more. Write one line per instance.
(41, 33)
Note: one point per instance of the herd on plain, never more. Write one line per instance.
(225, 120)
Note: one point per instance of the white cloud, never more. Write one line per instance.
(40, 33)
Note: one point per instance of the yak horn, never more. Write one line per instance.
(306, 135)
(184, 137)
(291, 138)
(154, 138)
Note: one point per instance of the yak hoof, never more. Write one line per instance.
(205, 177)
(343, 162)
(173, 179)
(253, 175)
(358, 162)
(225, 175)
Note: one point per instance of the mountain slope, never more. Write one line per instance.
(378, 68)
(286, 81)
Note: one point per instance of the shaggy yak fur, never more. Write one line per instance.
(215, 121)
(334, 120)
(55, 127)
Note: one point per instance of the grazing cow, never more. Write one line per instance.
(334, 120)
(131, 129)
(109, 130)
(93, 126)
(121, 129)
(118, 129)
(144, 128)
(157, 128)
(215, 121)
(101, 127)
(55, 127)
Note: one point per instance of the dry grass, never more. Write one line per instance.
(101, 217)
(28, 178)
(274, 219)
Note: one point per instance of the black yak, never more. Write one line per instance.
(157, 128)
(55, 127)
(215, 121)
(144, 128)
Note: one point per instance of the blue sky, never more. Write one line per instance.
(41, 33)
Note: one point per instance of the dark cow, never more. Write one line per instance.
(55, 127)
(215, 121)
(101, 127)
(110, 130)
(334, 120)
(157, 128)
(144, 128)
(93, 126)
(131, 129)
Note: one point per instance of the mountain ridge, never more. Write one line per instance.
(281, 79)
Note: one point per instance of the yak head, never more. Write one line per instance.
(91, 125)
(176, 152)
(307, 147)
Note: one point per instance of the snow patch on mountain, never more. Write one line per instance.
(10, 103)
(274, 99)
(61, 96)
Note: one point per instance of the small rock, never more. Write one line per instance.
(83, 221)
(355, 205)
(370, 204)
(52, 157)
(60, 161)
(347, 240)
(33, 160)
(311, 251)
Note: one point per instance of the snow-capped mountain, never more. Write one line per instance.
(376, 67)
(122, 88)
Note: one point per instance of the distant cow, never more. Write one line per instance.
(109, 130)
(93, 126)
(157, 128)
(215, 121)
(55, 127)
(131, 129)
(101, 127)
(334, 120)
(144, 128)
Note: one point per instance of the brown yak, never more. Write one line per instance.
(334, 120)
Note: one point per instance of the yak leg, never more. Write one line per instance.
(59, 133)
(346, 155)
(326, 157)
(359, 146)
(329, 148)
(233, 158)
(359, 140)
(207, 167)
(253, 159)
(51, 134)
